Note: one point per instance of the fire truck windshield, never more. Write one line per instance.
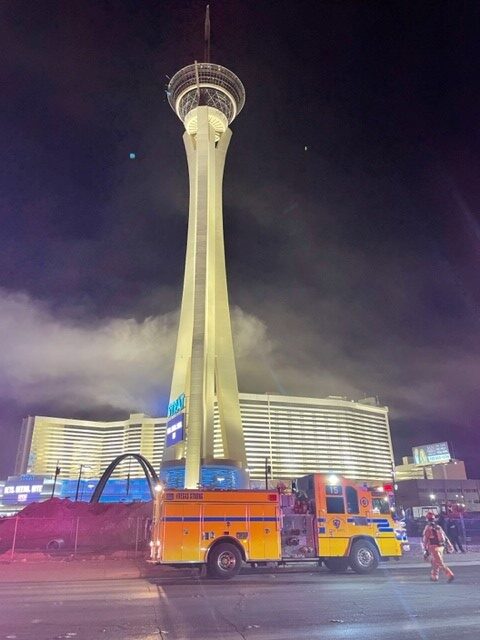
(380, 505)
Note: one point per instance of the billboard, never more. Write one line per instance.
(421, 512)
(175, 430)
(26, 488)
(431, 453)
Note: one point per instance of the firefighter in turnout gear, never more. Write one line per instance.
(434, 542)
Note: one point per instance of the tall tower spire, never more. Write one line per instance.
(206, 97)
(207, 34)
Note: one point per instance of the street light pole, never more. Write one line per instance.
(268, 470)
(78, 482)
(57, 472)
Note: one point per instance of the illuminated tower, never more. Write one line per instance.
(207, 98)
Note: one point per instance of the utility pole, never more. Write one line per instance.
(57, 472)
(268, 470)
(78, 482)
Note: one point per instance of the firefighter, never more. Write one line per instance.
(454, 534)
(434, 542)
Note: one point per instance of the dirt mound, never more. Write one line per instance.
(61, 508)
(77, 525)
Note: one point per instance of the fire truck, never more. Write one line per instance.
(326, 520)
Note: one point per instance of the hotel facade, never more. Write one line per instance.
(297, 435)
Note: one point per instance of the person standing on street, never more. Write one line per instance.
(442, 522)
(453, 533)
(434, 542)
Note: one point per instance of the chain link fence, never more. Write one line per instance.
(73, 536)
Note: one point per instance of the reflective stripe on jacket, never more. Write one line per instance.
(433, 535)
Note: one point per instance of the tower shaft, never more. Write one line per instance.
(204, 360)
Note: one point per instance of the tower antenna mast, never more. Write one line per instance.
(207, 34)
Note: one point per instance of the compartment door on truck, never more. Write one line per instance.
(225, 519)
(180, 532)
(191, 532)
(264, 533)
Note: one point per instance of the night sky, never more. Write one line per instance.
(351, 204)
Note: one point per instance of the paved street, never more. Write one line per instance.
(392, 604)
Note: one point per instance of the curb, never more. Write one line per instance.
(421, 565)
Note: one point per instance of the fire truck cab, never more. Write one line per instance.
(326, 519)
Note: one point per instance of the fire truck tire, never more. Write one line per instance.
(336, 565)
(224, 561)
(363, 557)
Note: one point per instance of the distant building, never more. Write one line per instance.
(431, 462)
(297, 436)
(453, 470)
(436, 493)
(46, 442)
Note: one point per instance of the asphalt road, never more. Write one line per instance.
(400, 604)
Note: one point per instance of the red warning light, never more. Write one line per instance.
(272, 497)
(388, 487)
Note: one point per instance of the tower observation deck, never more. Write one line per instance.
(206, 97)
(206, 84)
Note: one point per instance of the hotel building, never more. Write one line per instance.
(297, 435)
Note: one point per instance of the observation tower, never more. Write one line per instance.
(207, 98)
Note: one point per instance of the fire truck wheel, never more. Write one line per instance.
(336, 565)
(363, 557)
(224, 561)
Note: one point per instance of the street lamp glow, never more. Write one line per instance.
(432, 496)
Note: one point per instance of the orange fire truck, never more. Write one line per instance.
(326, 520)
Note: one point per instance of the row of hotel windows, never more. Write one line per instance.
(284, 436)
(311, 419)
(276, 451)
(275, 421)
(314, 420)
(300, 436)
(313, 416)
(125, 432)
(264, 427)
(359, 440)
(284, 432)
